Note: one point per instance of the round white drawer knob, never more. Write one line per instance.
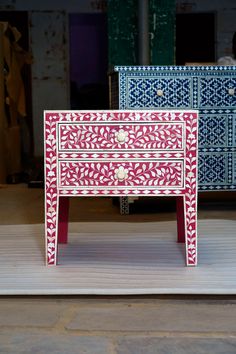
(121, 136)
(121, 173)
(231, 91)
(160, 93)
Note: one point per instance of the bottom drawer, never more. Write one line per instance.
(119, 173)
(215, 170)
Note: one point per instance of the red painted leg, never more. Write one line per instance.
(180, 219)
(63, 219)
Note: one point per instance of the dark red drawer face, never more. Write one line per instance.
(117, 173)
(158, 136)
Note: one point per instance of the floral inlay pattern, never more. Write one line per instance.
(165, 162)
(155, 136)
(109, 174)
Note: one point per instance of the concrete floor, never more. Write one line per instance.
(114, 325)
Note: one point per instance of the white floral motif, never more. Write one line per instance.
(155, 168)
(100, 174)
(121, 136)
(191, 189)
(121, 173)
(153, 136)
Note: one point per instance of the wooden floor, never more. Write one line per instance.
(113, 254)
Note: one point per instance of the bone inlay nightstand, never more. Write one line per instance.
(120, 153)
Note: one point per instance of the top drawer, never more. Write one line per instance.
(158, 136)
(158, 92)
(217, 92)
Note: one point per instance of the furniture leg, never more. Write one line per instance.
(63, 219)
(180, 219)
(190, 206)
(51, 224)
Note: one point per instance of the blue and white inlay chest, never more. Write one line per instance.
(210, 89)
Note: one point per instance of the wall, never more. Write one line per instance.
(162, 32)
(48, 31)
(49, 5)
(93, 63)
(225, 12)
(123, 32)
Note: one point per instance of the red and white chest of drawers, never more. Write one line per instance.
(120, 153)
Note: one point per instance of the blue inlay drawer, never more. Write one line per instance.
(168, 92)
(234, 130)
(234, 169)
(217, 92)
(213, 169)
(216, 130)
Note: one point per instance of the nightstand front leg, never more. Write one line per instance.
(190, 201)
(51, 225)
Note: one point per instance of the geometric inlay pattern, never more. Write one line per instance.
(217, 92)
(212, 168)
(209, 89)
(159, 92)
(234, 130)
(234, 168)
(213, 130)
